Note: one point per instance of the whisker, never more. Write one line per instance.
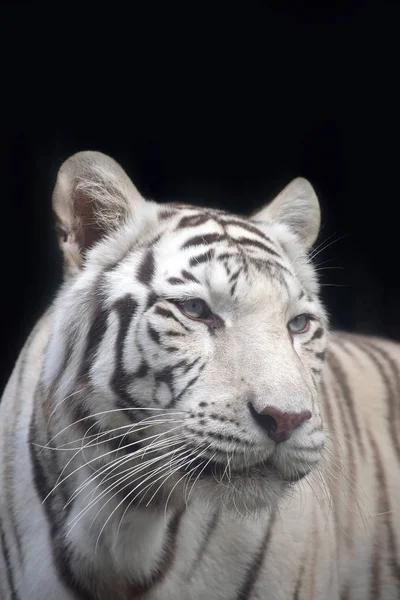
(117, 507)
(114, 410)
(77, 517)
(323, 246)
(157, 444)
(172, 490)
(199, 475)
(172, 468)
(119, 462)
(132, 428)
(97, 458)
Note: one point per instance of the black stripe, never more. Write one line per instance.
(70, 346)
(165, 312)
(132, 247)
(189, 276)
(234, 276)
(11, 441)
(53, 511)
(393, 391)
(191, 382)
(166, 213)
(175, 281)
(255, 568)
(193, 220)
(334, 394)
(376, 575)
(146, 269)
(87, 422)
(166, 562)
(12, 506)
(190, 365)
(7, 560)
(203, 240)
(345, 594)
(126, 308)
(166, 375)
(94, 337)
(268, 265)
(168, 314)
(151, 300)
(227, 267)
(153, 333)
(296, 594)
(227, 255)
(347, 395)
(348, 348)
(174, 333)
(384, 509)
(87, 588)
(214, 435)
(250, 242)
(246, 225)
(318, 333)
(201, 258)
(204, 544)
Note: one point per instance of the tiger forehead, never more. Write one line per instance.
(221, 249)
(220, 226)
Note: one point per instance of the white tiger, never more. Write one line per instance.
(161, 435)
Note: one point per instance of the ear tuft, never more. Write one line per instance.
(298, 208)
(92, 197)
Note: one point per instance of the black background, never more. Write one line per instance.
(215, 107)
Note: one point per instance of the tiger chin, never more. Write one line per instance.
(180, 379)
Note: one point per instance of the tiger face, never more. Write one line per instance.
(205, 340)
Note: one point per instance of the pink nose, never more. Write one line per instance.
(278, 425)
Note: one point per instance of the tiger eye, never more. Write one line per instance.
(299, 324)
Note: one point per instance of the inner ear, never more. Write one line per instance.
(88, 227)
(92, 197)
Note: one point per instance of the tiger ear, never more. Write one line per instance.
(298, 208)
(93, 196)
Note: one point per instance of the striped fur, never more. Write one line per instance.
(134, 464)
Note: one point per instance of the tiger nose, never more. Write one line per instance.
(278, 425)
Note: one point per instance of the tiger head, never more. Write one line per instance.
(187, 343)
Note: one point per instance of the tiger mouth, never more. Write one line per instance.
(223, 472)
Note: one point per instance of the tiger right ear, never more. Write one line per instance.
(93, 196)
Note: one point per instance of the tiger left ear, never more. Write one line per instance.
(92, 197)
(297, 207)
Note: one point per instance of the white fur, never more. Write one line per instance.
(252, 358)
